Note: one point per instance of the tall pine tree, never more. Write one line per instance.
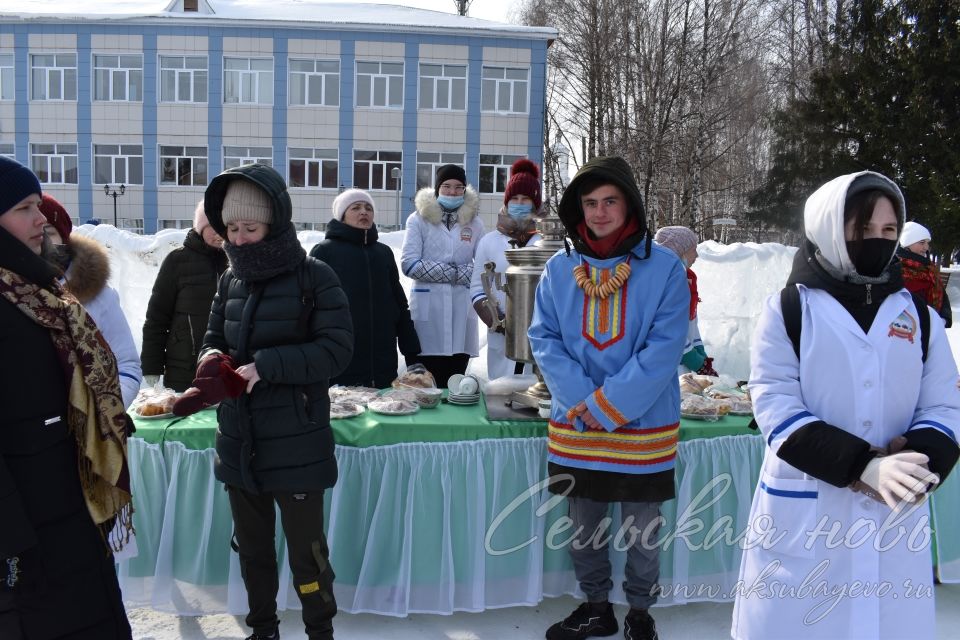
(887, 99)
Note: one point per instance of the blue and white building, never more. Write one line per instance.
(161, 95)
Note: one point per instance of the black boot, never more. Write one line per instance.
(639, 625)
(587, 620)
(265, 636)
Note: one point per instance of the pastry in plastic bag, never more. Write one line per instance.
(416, 375)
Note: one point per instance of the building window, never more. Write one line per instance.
(443, 86)
(190, 5)
(428, 162)
(6, 76)
(117, 164)
(54, 76)
(118, 78)
(248, 80)
(183, 79)
(505, 89)
(133, 225)
(175, 224)
(7, 150)
(380, 84)
(184, 166)
(310, 226)
(313, 168)
(54, 163)
(373, 169)
(315, 82)
(494, 172)
(236, 156)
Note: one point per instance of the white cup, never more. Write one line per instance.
(543, 409)
(469, 386)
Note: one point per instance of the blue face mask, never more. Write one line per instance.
(450, 202)
(517, 210)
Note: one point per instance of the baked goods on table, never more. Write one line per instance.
(695, 383)
(702, 408)
(352, 395)
(415, 376)
(343, 409)
(393, 406)
(153, 402)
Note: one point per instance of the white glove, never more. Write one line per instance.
(150, 381)
(899, 477)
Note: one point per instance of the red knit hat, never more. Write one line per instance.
(57, 216)
(524, 181)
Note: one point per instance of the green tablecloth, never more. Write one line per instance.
(446, 423)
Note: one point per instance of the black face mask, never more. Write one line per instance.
(873, 257)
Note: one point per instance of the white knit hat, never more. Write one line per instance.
(246, 201)
(343, 201)
(913, 232)
(678, 239)
(200, 221)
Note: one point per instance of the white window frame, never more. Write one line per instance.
(133, 225)
(62, 75)
(261, 81)
(60, 161)
(122, 157)
(8, 150)
(376, 80)
(235, 156)
(498, 80)
(380, 164)
(120, 75)
(179, 73)
(181, 154)
(313, 161)
(443, 89)
(167, 223)
(500, 169)
(7, 81)
(426, 162)
(328, 79)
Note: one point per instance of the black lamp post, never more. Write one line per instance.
(114, 194)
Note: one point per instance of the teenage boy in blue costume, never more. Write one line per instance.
(608, 329)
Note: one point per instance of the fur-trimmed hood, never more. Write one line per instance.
(89, 268)
(429, 209)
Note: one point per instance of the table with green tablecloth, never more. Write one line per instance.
(440, 511)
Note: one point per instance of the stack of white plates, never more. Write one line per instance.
(457, 398)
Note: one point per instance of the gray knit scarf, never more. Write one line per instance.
(263, 260)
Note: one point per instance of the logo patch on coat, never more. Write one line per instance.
(904, 326)
(466, 234)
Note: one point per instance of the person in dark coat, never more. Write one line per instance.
(64, 480)
(370, 278)
(180, 306)
(280, 321)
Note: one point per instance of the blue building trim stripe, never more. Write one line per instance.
(347, 87)
(411, 73)
(150, 148)
(214, 103)
(538, 79)
(84, 133)
(21, 110)
(280, 48)
(474, 83)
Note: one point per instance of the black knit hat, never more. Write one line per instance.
(447, 172)
(16, 183)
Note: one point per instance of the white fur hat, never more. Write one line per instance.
(913, 232)
(343, 201)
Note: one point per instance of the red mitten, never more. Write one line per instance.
(216, 380)
(707, 368)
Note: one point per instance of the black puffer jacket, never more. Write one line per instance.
(278, 437)
(67, 582)
(178, 310)
(381, 318)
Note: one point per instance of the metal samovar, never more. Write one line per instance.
(522, 276)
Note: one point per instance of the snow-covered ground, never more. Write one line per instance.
(733, 282)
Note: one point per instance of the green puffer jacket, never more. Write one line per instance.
(278, 437)
(178, 310)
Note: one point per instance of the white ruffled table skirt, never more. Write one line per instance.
(442, 527)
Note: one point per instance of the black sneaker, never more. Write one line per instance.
(639, 626)
(260, 636)
(585, 622)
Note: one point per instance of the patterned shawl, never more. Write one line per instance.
(95, 412)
